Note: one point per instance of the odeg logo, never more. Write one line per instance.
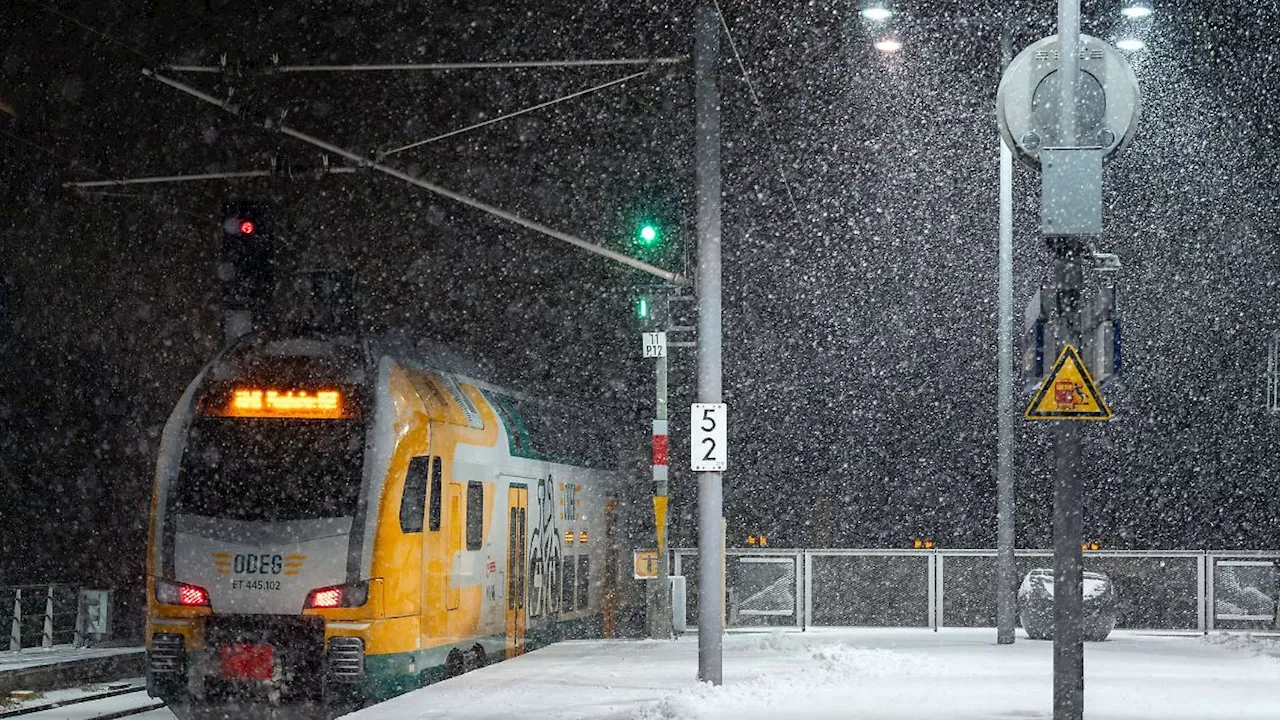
(264, 564)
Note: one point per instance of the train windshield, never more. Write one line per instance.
(271, 469)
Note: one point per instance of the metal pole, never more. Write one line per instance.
(1069, 67)
(710, 490)
(1068, 515)
(1006, 574)
(661, 626)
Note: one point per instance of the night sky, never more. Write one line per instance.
(859, 322)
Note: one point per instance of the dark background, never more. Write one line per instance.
(859, 323)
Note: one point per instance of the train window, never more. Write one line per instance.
(566, 595)
(475, 515)
(414, 499)
(584, 579)
(433, 517)
(270, 469)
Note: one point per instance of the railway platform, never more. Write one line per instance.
(64, 665)
(950, 674)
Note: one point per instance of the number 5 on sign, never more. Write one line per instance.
(709, 448)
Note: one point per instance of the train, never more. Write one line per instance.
(341, 521)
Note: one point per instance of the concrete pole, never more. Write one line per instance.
(1068, 515)
(710, 490)
(1006, 573)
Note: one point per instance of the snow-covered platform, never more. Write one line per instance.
(43, 668)
(871, 673)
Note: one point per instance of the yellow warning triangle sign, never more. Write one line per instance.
(1068, 393)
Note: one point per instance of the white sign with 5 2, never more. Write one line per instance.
(709, 449)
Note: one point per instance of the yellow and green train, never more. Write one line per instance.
(335, 520)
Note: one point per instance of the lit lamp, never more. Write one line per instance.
(1137, 10)
(888, 45)
(876, 11)
(1137, 13)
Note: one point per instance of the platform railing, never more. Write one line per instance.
(1180, 590)
(39, 615)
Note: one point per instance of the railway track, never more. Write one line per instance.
(109, 704)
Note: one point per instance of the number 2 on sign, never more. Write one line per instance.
(710, 424)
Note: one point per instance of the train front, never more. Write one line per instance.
(255, 552)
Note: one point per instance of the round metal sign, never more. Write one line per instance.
(1108, 101)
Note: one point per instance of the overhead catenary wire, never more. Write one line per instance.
(370, 162)
(768, 129)
(85, 26)
(428, 67)
(237, 175)
(508, 116)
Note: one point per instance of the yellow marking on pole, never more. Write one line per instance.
(660, 519)
(1068, 392)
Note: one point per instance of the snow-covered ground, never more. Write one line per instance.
(874, 673)
(34, 657)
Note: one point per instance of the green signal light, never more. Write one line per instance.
(648, 234)
(642, 307)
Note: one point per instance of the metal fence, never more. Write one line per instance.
(1157, 590)
(38, 615)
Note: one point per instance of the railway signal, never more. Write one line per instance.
(247, 266)
(648, 235)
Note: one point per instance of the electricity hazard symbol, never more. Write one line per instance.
(1068, 393)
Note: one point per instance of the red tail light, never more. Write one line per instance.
(336, 596)
(176, 593)
(192, 595)
(325, 598)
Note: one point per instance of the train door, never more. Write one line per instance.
(609, 606)
(454, 525)
(517, 537)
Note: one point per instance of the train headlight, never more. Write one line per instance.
(336, 596)
(176, 593)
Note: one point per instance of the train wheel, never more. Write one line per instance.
(476, 657)
(454, 664)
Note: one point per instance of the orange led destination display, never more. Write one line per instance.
(260, 402)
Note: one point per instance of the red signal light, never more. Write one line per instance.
(246, 227)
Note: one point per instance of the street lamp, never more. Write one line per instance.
(888, 45)
(1137, 10)
(876, 12)
(1137, 16)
